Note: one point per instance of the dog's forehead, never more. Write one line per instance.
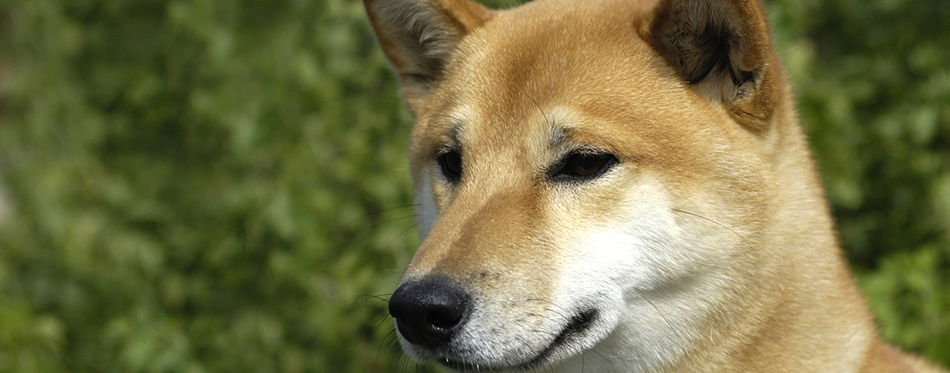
(541, 50)
(534, 73)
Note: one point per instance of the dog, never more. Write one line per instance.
(615, 186)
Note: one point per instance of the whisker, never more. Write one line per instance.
(379, 224)
(379, 297)
(606, 360)
(381, 322)
(582, 361)
(390, 334)
(663, 316)
(538, 105)
(360, 299)
(393, 271)
(388, 246)
(379, 212)
(397, 359)
(716, 223)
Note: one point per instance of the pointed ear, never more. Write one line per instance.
(418, 36)
(723, 49)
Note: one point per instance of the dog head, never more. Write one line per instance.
(590, 177)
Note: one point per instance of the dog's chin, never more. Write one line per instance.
(582, 331)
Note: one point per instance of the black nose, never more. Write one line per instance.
(429, 312)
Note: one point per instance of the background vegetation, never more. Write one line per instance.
(215, 186)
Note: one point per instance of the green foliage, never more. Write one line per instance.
(199, 186)
(222, 185)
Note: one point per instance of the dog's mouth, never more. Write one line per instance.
(574, 329)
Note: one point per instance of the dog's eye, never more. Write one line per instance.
(582, 165)
(451, 164)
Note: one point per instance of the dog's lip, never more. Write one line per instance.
(580, 322)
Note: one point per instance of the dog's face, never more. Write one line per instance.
(580, 168)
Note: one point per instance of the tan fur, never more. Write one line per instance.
(714, 179)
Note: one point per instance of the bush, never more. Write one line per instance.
(222, 186)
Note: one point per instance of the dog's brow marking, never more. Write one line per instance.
(449, 135)
(558, 135)
(455, 130)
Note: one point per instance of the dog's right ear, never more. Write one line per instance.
(418, 36)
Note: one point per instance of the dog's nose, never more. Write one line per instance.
(429, 312)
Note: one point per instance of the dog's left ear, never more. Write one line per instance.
(723, 49)
(419, 36)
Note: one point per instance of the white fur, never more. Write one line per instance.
(621, 264)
